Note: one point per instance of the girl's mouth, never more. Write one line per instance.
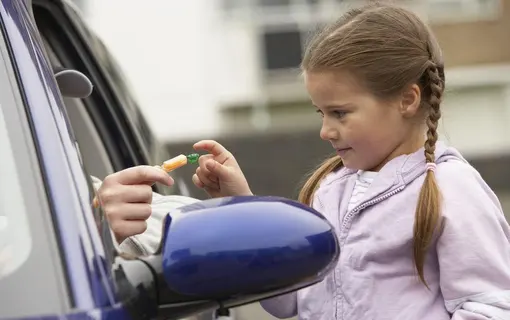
(342, 152)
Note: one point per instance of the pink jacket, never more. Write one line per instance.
(467, 268)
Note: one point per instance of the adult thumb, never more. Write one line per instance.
(217, 169)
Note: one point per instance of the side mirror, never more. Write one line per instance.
(237, 250)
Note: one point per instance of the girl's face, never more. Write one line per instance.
(366, 132)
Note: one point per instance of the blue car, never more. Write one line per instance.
(57, 257)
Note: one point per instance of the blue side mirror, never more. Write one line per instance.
(229, 249)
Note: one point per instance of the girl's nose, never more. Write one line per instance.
(328, 133)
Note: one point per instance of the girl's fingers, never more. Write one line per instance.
(206, 180)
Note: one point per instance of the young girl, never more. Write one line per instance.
(422, 236)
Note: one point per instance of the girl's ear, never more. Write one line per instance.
(410, 101)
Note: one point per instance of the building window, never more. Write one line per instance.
(273, 3)
(282, 49)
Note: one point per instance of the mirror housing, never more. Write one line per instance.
(238, 250)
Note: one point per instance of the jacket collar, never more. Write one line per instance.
(397, 173)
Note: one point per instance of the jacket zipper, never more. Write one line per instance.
(349, 216)
(369, 203)
(321, 205)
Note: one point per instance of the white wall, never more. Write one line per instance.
(183, 60)
(163, 48)
(477, 120)
(476, 111)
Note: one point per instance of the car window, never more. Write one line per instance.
(94, 161)
(93, 151)
(98, 143)
(54, 28)
(119, 123)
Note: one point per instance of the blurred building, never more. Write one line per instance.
(261, 45)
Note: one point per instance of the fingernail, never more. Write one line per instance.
(95, 202)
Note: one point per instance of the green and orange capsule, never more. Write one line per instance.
(179, 161)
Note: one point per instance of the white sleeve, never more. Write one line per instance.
(149, 241)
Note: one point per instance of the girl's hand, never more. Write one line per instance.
(218, 172)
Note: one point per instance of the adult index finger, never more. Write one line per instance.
(142, 175)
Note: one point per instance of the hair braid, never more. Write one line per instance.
(436, 89)
(429, 202)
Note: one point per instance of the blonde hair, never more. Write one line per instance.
(387, 48)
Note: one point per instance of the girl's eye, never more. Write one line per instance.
(339, 114)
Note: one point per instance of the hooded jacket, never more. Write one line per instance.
(467, 268)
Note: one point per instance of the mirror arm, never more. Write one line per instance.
(136, 286)
(172, 305)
